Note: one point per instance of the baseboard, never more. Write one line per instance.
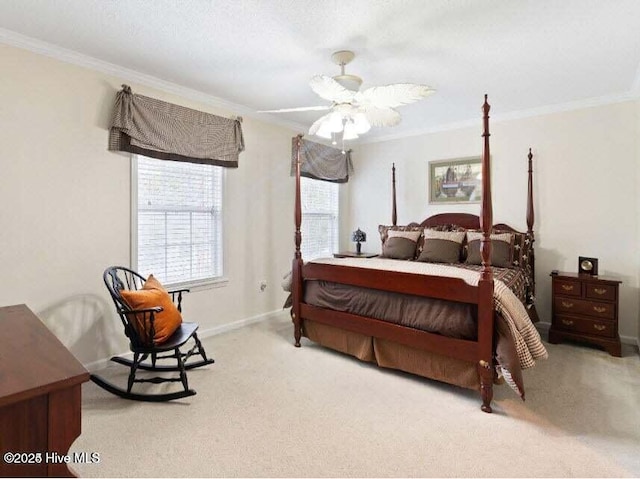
(241, 323)
(206, 333)
(629, 340)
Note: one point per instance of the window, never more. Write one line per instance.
(320, 207)
(177, 220)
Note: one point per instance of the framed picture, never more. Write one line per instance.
(458, 180)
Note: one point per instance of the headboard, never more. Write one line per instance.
(472, 222)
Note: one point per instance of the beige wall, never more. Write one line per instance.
(637, 137)
(65, 212)
(65, 206)
(585, 186)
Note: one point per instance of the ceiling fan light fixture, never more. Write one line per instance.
(325, 131)
(349, 131)
(361, 123)
(335, 122)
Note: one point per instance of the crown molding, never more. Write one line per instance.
(18, 40)
(631, 95)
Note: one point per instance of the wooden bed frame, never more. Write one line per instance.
(480, 352)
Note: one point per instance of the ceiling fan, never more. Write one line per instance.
(354, 112)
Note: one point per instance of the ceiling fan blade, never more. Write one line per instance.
(329, 89)
(391, 96)
(302, 108)
(381, 116)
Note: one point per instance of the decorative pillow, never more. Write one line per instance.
(523, 258)
(153, 283)
(501, 249)
(441, 246)
(151, 295)
(384, 233)
(421, 239)
(400, 244)
(384, 230)
(521, 248)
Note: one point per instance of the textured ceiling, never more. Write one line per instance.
(528, 55)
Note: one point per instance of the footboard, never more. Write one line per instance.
(479, 352)
(437, 287)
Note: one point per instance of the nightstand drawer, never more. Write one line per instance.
(580, 306)
(586, 326)
(597, 291)
(567, 287)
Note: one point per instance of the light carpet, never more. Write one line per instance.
(267, 409)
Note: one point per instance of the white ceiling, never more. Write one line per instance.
(528, 55)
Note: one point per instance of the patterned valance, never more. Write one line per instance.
(162, 130)
(321, 162)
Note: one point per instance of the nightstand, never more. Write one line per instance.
(585, 308)
(353, 254)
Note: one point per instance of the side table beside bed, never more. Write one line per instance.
(353, 254)
(585, 309)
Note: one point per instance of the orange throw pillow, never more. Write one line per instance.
(153, 283)
(151, 295)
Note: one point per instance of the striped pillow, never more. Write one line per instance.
(441, 246)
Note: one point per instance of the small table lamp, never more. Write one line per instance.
(359, 236)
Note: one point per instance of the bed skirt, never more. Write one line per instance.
(388, 354)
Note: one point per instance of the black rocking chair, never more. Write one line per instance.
(118, 278)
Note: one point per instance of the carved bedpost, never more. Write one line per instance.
(530, 219)
(486, 217)
(394, 213)
(296, 277)
(485, 285)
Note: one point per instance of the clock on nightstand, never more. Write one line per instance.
(588, 265)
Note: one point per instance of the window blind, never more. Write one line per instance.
(179, 220)
(320, 216)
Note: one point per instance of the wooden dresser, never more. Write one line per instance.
(585, 308)
(40, 392)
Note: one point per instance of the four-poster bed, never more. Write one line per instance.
(390, 340)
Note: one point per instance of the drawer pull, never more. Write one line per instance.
(567, 304)
(567, 322)
(567, 287)
(599, 309)
(600, 327)
(600, 290)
